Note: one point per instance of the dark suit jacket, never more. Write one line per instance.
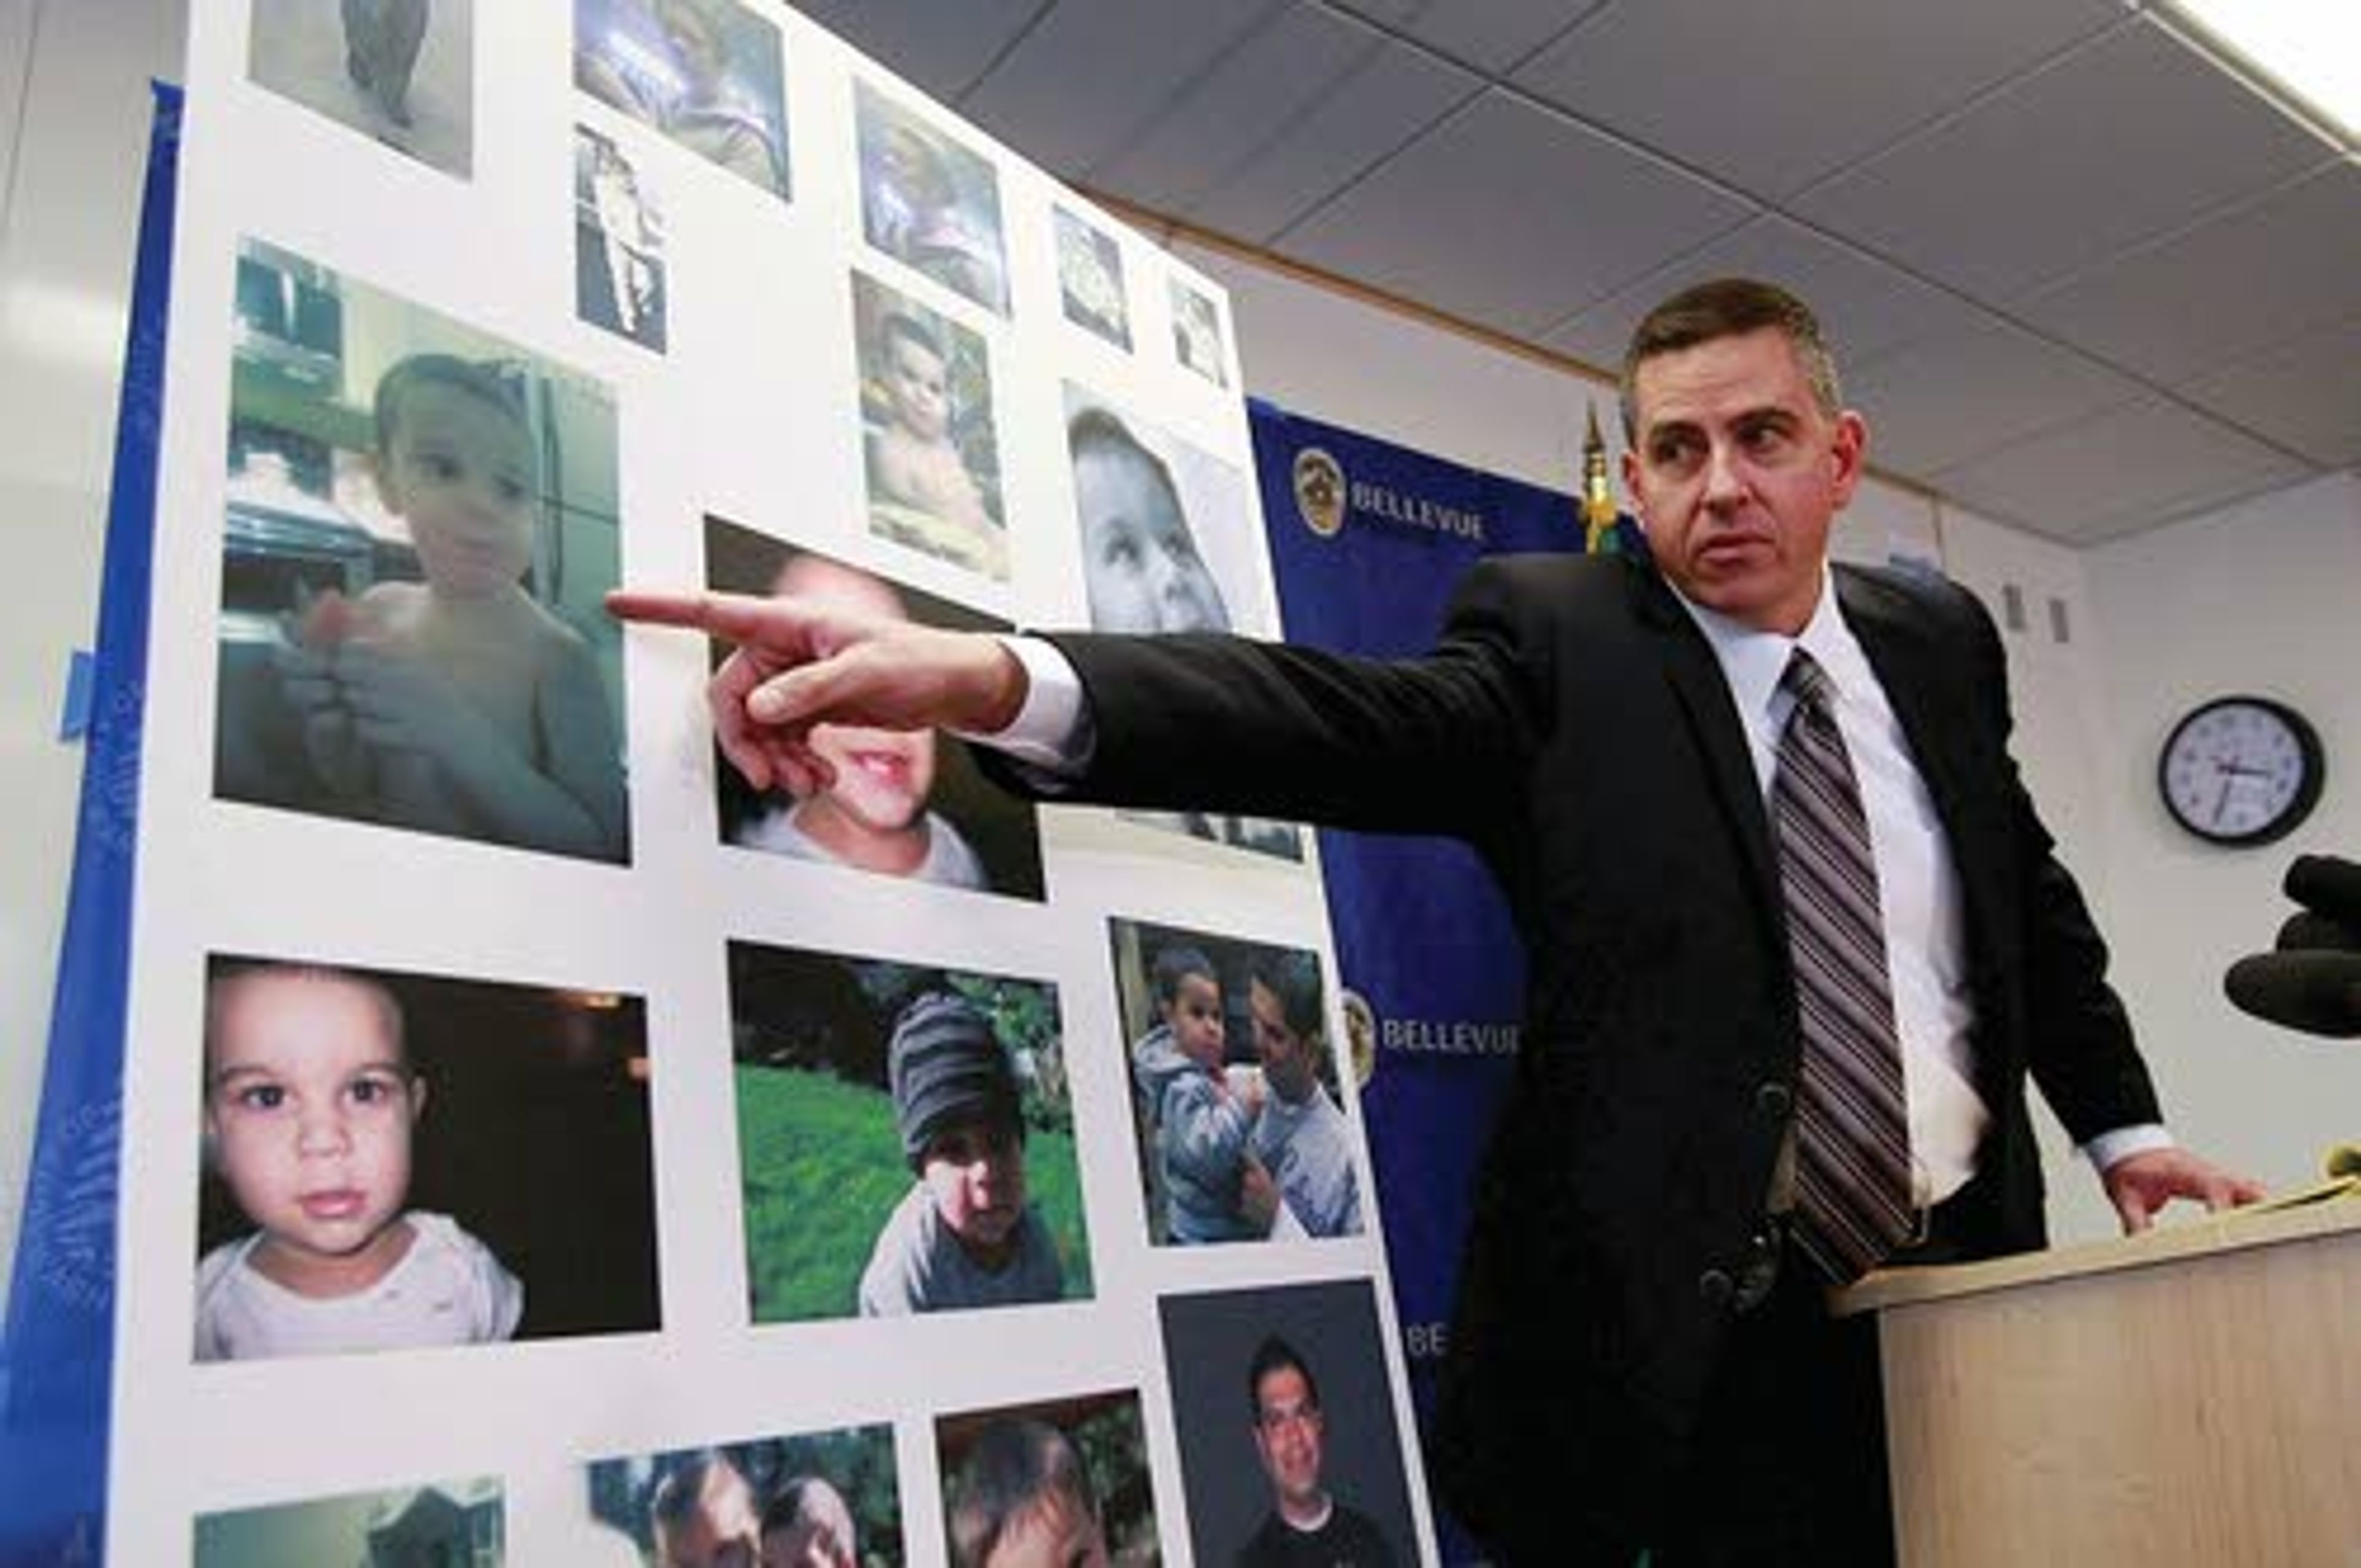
(1573, 724)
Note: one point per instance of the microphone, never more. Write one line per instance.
(2345, 1159)
(2308, 932)
(2328, 885)
(2319, 992)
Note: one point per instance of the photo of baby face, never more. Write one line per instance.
(1140, 560)
(705, 72)
(421, 525)
(907, 1136)
(1089, 279)
(394, 1161)
(905, 804)
(929, 202)
(310, 1102)
(928, 445)
(1197, 334)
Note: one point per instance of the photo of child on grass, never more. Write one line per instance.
(906, 1138)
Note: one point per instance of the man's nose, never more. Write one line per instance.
(1725, 486)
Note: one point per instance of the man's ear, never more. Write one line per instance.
(1848, 451)
(1631, 486)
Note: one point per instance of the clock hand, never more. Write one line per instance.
(2222, 802)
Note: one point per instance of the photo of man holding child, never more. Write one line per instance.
(823, 1499)
(1235, 1099)
(906, 1138)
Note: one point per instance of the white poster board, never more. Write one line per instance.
(468, 993)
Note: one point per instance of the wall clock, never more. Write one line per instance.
(2241, 770)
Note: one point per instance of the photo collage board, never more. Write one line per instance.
(541, 1144)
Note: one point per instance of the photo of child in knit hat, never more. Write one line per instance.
(906, 1138)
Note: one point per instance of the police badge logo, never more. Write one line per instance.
(1319, 491)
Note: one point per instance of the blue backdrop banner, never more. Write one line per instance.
(1368, 540)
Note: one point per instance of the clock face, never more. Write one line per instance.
(2241, 771)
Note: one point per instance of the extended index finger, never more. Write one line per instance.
(738, 617)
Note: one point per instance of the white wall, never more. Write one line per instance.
(75, 154)
(2263, 598)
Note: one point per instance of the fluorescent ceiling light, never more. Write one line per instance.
(2310, 49)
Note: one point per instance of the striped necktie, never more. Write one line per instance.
(1852, 1138)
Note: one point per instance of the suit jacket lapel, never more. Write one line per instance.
(1696, 680)
(1920, 686)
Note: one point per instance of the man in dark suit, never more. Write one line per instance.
(1643, 1355)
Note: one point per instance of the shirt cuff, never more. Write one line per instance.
(2124, 1142)
(1051, 733)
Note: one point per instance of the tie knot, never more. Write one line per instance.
(1806, 681)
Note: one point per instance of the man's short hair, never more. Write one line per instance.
(813, 1501)
(1728, 307)
(1275, 1354)
(1292, 976)
(676, 1496)
(1015, 1466)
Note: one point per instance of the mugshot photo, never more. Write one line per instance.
(929, 202)
(443, 1522)
(1290, 1451)
(397, 1161)
(707, 73)
(1060, 1483)
(1154, 517)
(399, 71)
(619, 243)
(824, 1499)
(906, 1138)
(1235, 1109)
(1197, 339)
(929, 449)
(908, 803)
(420, 526)
(1089, 279)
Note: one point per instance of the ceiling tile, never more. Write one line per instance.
(1490, 34)
(1865, 307)
(2126, 470)
(1772, 97)
(940, 49)
(2249, 278)
(2123, 139)
(1389, 99)
(1280, 76)
(1093, 74)
(1942, 401)
(1513, 216)
(2304, 394)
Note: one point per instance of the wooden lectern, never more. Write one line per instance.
(2188, 1397)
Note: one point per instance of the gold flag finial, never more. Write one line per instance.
(1597, 500)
